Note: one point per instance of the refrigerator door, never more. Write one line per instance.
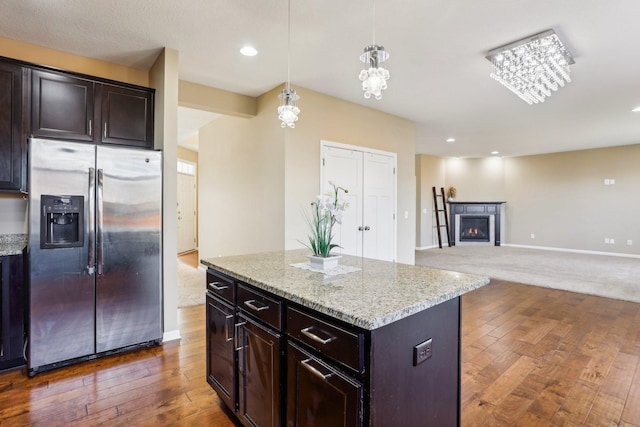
(129, 255)
(61, 280)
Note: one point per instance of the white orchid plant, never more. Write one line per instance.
(326, 211)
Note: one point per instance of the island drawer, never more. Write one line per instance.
(336, 342)
(221, 285)
(261, 306)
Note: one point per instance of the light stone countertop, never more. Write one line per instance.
(380, 293)
(12, 244)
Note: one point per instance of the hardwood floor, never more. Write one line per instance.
(190, 258)
(531, 357)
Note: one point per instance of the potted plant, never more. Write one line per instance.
(326, 211)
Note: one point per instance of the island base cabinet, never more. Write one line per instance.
(259, 356)
(221, 355)
(318, 395)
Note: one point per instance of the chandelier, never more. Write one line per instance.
(288, 110)
(532, 67)
(374, 79)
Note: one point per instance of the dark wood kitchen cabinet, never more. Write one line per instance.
(13, 159)
(11, 311)
(78, 108)
(244, 351)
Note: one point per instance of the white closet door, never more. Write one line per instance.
(344, 168)
(378, 207)
(368, 226)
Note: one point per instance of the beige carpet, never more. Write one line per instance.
(607, 276)
(191, 285)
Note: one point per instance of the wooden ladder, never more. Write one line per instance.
(439, 211)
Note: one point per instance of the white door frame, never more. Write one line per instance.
(326, 143)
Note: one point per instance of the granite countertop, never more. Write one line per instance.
(12, 244)
(380, 293)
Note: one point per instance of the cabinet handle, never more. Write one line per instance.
(315, 371)
(215, 286)
(226, 324)
(105, 130)
(90, 128)
(306, 331)
(237, 334)
(252, 306)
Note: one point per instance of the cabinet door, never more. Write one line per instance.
(127, 116)
(221, 356)
(259, 362)
(11, 311)
(12, 136)
(62, 106)
(319, 395)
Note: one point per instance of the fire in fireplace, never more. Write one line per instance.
(474, 228)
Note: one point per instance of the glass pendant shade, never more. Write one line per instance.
(532, 68)
(288, 110)
(374, 79)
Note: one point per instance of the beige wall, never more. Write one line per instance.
(560, 198)
(164, 78)
(259, 177)
(430, 172)
(68, 61)
(241, 184)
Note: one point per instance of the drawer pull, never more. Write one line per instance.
(216, 286)
(306, 331)
(236, 336)
(251, 304)
(315, 371)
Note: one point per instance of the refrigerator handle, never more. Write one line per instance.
(99, 221)
(91, 262)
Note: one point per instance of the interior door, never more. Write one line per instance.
(186, 212)
(368, 225)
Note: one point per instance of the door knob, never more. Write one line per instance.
(367, 228)
(360, 228)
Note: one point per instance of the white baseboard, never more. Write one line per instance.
(171, 336)
(423, 248)
(573, 250)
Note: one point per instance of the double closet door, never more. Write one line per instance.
(368, 226)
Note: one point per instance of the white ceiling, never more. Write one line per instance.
(439, 76)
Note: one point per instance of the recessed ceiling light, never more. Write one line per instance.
(636, 110)
(451, 140)
(248, 51)
(495, 153)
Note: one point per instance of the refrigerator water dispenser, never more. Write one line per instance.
(61, 221)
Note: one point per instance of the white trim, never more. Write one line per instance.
(171, 336)
(424, 248)
(578, 251)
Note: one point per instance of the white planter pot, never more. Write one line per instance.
(324, 263)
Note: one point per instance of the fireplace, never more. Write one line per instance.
(474, 228)
(475, 223)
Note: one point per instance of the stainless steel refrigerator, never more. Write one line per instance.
(94, 253)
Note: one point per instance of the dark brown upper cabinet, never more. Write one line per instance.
(62, 106)
(127, 116)
(13, 173)
(75, 108)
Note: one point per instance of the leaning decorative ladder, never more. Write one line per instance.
(441, 211)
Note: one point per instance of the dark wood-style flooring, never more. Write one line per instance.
(531, 357)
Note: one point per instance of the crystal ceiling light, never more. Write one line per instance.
(374, 79)
(288, 110)
(532, 67)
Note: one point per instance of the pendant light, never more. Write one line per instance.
(374, 79)
(288, 110)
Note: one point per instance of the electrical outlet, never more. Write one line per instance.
(606, 182)
(612, 241)
(422, 352)
(612, 182)
(629, 242)
(606, 240)
(533, 236)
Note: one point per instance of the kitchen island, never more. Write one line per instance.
(379, 346)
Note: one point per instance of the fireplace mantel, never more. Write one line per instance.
(475, 208)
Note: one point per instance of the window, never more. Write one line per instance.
(185, 167)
